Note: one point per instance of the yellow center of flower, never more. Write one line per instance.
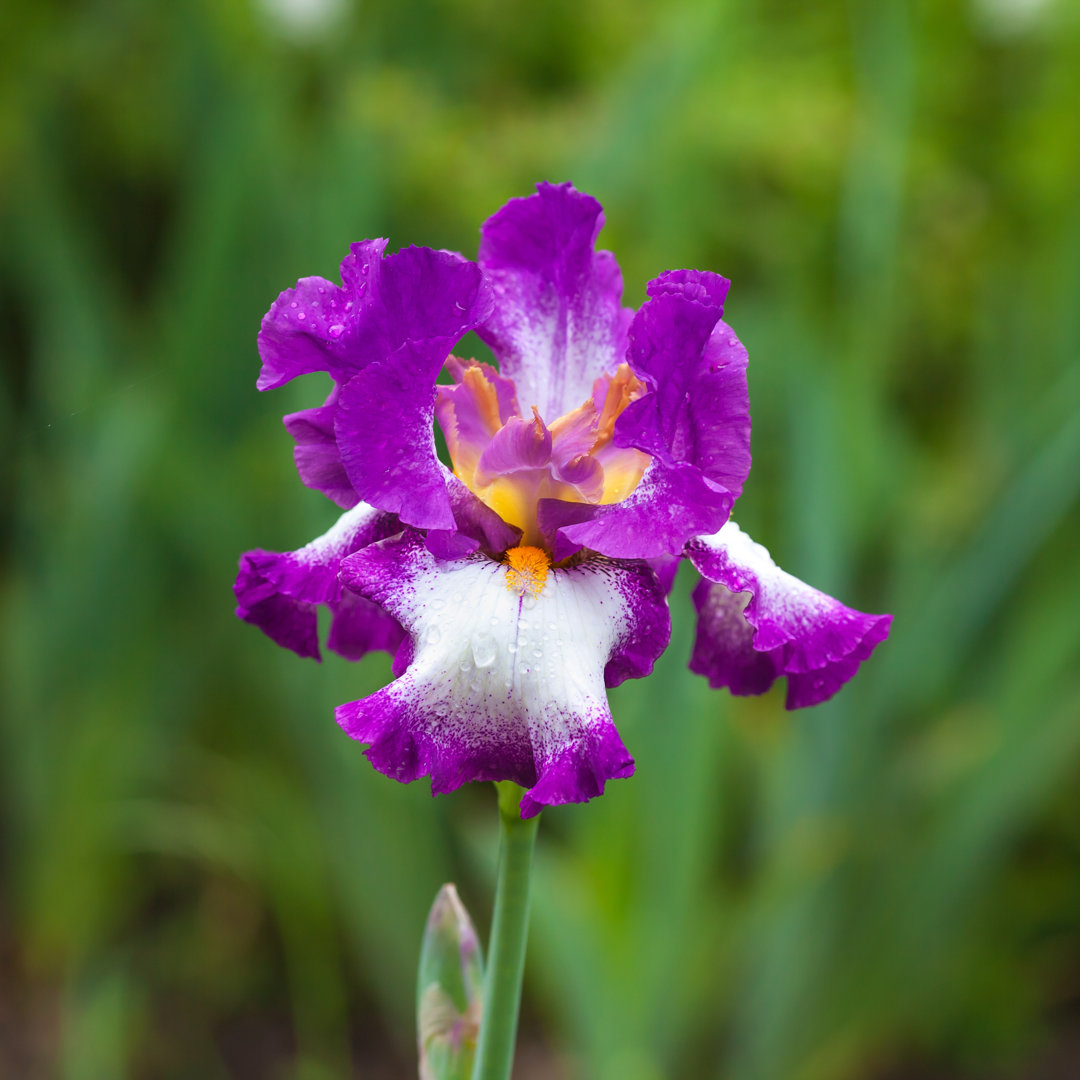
(526, 570)
(512, 463)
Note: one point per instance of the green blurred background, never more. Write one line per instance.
(203, 878)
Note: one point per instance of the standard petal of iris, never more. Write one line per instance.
(313, 326)
(419, 296)
(558, 321)
(503, 685)
(416, 294)
(694, 423)
(280, 592)
(756, 622)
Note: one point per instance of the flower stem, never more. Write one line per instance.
(509, 929)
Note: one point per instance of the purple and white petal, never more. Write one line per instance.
(280, 591)
(499, 685)
(558, 321)
(757, 622)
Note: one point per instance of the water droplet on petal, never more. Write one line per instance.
(512, 647)
(483, 649)
(336, 330)
(528, 601)
(433, 635)
(301, 316)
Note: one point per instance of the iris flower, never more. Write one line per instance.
(514, 587)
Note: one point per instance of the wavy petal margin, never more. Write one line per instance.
(494, 685)
(558, 321)
(694, 423)
(280, 592)
(757, 622)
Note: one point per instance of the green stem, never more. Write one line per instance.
(509, 929)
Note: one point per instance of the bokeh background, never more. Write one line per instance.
(203, 878)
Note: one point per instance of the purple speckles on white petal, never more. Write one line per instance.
(499, 688)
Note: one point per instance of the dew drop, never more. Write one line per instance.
(336, 330)
(438, 603)
(433, 635)
(528, 602)
(348, 306)
(538, 654)
(512, 647)
(483, 649)
(301, 316)
(523, 669)
(294, 305)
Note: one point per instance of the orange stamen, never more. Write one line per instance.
(526, 570)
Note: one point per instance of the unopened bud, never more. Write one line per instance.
(449, 991)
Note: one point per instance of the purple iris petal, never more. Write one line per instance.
(558, 321)
(699, 411)
(694, 422)
(495, 687)
(476, 525)
(280, 591)
(421, 297)
(670, 504)
(757, 622)
(318, 460)
(384, 427)
(517, 446)
(317, 325)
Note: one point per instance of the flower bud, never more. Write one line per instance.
(449, 991)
